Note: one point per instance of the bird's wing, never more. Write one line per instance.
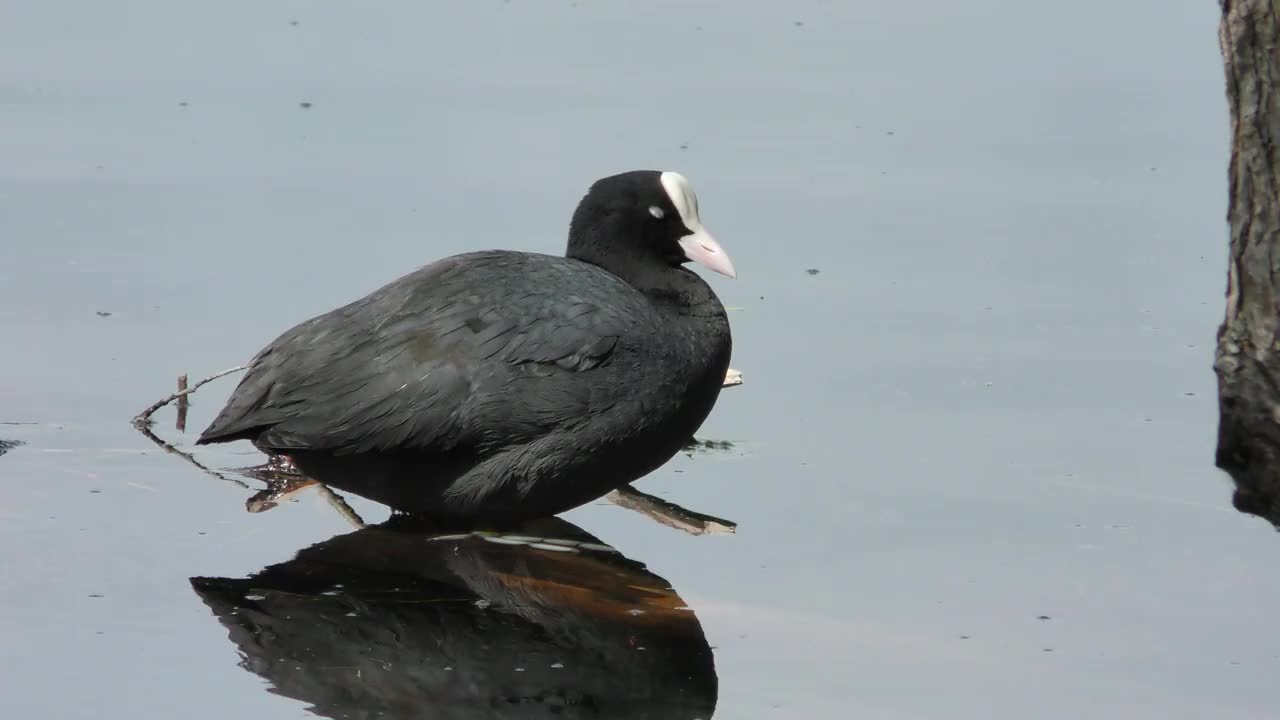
(432, 363)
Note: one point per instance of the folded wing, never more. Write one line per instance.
(449, 358)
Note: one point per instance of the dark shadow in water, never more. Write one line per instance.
(7, 445)
(1257, 491)
(395, 621)
(1246, 451)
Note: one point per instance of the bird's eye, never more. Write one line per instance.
(656, 211)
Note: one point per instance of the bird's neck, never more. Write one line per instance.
(668, 285)
(684, 292)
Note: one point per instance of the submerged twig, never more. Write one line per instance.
(146, 431)
(142, 421)
(669, 513)
(144, 418)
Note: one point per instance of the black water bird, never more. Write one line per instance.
(503, 384)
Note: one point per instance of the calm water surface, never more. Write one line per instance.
(972, 457)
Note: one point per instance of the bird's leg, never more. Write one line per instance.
(670, 514)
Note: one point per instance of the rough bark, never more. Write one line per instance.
(1248, 354)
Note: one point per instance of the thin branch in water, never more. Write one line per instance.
(146, 431)
(144, 418)
(183, 403)
(142, 421)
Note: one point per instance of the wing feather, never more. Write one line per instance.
(428, 363)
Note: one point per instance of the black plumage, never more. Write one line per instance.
(510, 384)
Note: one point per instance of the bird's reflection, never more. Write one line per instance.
(398, 621)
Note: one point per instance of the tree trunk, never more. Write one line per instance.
(1248, 355)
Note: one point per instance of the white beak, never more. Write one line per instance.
(703, 249)
(698, 245)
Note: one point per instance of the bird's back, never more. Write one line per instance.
(473, 353)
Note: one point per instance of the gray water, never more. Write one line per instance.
(972, 459)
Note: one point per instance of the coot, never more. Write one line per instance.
(504, 384)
